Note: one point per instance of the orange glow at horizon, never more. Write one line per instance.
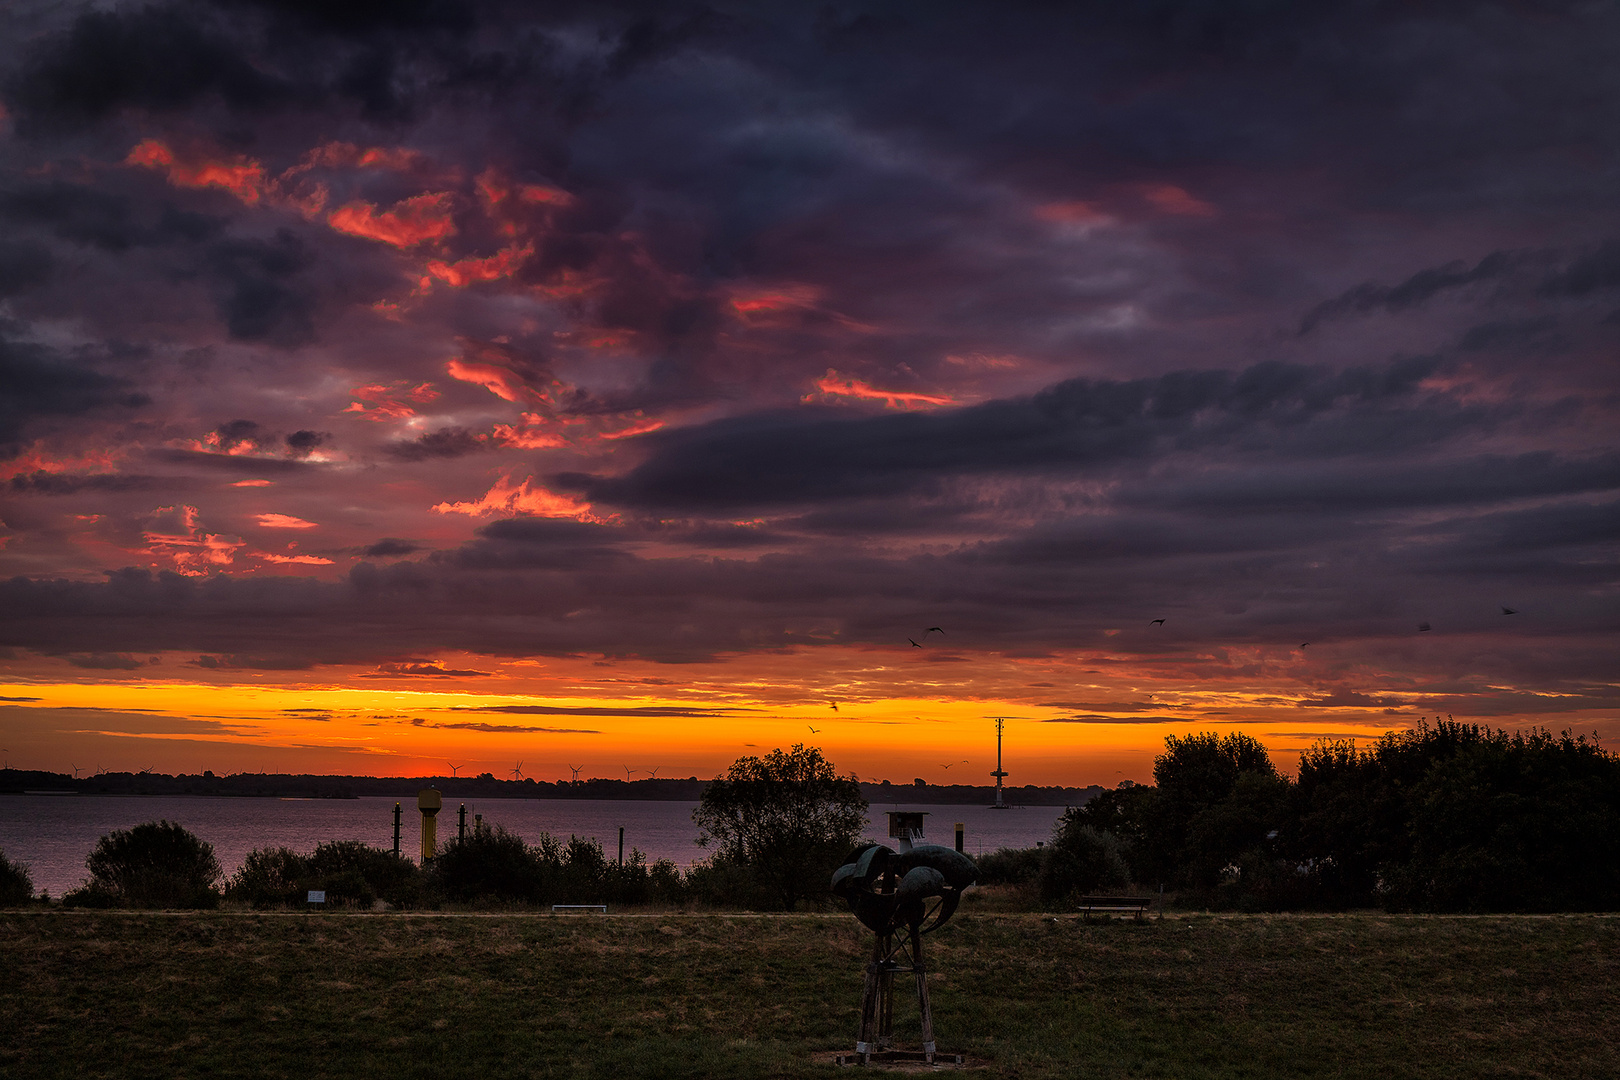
(411, 725)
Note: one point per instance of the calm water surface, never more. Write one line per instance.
(52, 834)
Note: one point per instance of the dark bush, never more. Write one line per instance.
(1010, 866)
(352, 873)
(1081, 860)
(490, 864)
(155, 865)
(16, 887)
(726, 884)
(269, 878)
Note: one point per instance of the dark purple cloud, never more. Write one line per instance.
(357, 334)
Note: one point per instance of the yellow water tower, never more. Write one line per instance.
(429, 802)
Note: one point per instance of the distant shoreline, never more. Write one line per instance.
(311, 786)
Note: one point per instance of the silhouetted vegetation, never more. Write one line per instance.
(16, 887)
(787, 818)
(1448, 817)
(351, 873)
(155, 865)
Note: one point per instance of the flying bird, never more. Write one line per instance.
(964, 761)
(914, 645)
(1423, 627)
(813, 730)
(1156, 622)
(1303, 644)
(932, 630)
(833, 705)
(1509, 611)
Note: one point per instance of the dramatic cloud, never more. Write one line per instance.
(682, 367)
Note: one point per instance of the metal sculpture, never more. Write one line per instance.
(899, 895)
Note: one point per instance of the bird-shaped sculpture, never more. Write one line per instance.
(889, 891)
(899, 896)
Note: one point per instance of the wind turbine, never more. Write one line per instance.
(628, 772)
(654, 772)
(517, 771)
(75, 771)
(453, 769)
(576, 769)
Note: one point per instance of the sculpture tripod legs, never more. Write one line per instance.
(877, 1001)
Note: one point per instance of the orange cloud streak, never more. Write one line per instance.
(467, 271)
(191, 550)
(848, 386)
(410, 222)
(283, 521)
(524, 498)
(241, 176)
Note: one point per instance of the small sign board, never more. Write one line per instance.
(317, 896)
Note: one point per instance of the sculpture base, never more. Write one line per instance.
(901, 1057)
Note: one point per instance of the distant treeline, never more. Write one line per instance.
(1446, 818)
(487, 786)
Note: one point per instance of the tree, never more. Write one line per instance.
(16, 887)
(158, 864)
(789, 818)
(1219, 799)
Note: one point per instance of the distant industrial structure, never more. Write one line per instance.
(1000, 774)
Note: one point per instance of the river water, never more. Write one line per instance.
(52, 834)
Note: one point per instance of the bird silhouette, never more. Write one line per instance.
(833, 705)
(1156, 622)
(1424, 627)
(1509, 611)
(932, 630)
(813, 730)
(1303, 644)
(914, 645)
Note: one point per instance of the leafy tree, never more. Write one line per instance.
(155, 865)
(16, 887)
(789, 818)
(1218, 798)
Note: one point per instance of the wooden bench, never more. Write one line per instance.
(1115, 905)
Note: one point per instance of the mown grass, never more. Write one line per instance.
(310, 996)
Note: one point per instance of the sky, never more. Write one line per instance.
(409, 384)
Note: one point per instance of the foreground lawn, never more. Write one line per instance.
(389, 996)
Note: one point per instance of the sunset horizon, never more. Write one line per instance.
(652, 390)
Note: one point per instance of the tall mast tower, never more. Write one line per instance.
(1000, 773)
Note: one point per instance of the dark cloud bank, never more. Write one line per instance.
(1281, 322)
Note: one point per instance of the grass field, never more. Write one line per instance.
(389, 996)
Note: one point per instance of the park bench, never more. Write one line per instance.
(1114, 905)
